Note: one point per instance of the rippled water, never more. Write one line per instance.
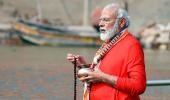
(43, 73)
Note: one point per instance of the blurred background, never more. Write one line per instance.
(36, 35)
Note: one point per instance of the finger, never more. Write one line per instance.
(70, 58)
(82, 75)
(85, 78)
(69, 54)
(92, 81)
(77, 56)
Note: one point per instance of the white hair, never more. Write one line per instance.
(123, 14)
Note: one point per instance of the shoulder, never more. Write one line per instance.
(130, 44)
(130, 40)
(134, 46)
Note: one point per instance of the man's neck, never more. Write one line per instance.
(116, 35)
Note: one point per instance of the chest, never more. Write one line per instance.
(114, 62)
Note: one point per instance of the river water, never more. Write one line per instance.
(43, 73)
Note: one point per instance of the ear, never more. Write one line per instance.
(122, 22)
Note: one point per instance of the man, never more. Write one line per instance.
(118, 66)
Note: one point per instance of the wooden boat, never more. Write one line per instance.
(46, 35)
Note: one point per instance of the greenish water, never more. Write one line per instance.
(43, 73)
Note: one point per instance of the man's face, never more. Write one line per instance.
(107, 21)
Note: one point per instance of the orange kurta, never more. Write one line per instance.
(125, 60)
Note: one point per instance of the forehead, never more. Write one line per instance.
(108, 12)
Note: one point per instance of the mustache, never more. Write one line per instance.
(107, 31)
(102, 30)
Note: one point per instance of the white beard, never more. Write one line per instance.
(107, 35)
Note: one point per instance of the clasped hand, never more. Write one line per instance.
(94, 76)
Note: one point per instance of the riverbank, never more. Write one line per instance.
(43, 73)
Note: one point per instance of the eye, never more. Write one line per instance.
(105, 19)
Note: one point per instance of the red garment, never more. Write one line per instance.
(125, 60)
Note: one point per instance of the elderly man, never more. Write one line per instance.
(118, 66)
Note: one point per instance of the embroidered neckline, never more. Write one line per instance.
(104, 49)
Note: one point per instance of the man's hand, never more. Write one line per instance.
(94, 76)
(97, 76)
(79, 59)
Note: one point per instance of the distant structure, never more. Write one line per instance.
(155, 36)
(66, 13)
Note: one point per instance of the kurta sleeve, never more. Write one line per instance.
(135, 83)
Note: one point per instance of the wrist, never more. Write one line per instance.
(109, 79)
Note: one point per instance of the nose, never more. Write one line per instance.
(101, 23)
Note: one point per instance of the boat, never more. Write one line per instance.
(39, 34)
